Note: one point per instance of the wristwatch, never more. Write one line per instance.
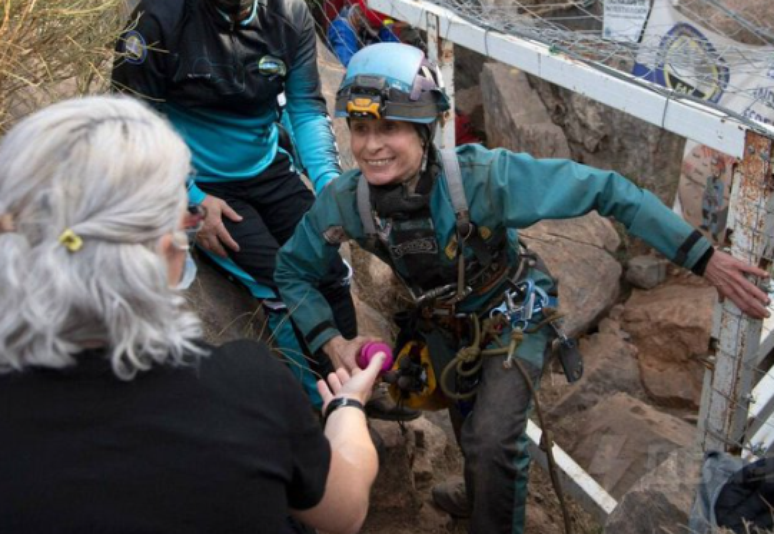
(341, 402)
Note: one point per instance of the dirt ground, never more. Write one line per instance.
(413, 512)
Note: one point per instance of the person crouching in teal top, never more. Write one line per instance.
(447, 224)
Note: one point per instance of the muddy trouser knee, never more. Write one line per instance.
(494, 441)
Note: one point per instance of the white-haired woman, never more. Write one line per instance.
(115, 418)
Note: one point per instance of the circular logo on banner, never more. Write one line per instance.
(135, 48)
(690, 64)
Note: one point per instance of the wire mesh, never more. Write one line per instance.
(698, 68)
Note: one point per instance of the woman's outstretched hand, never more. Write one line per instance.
(357, 385)
(727, 274)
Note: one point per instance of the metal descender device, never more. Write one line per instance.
(526, 301)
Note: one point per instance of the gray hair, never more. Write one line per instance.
(113, 172)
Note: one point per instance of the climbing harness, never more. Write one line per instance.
(488, 269)
(533, 301)
(427, 379)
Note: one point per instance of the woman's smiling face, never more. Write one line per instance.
(387, 152)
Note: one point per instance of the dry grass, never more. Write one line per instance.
(53, 49)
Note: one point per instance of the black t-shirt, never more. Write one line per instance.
(225, 446)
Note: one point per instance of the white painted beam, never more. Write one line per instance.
(441, 52)
(576, 482)
(621, 91)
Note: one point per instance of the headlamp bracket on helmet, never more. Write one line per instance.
(368, 96)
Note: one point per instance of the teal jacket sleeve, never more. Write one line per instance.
(529, 190)
(308, 113)
(303, 261)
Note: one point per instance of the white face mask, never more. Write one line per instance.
(189, 273)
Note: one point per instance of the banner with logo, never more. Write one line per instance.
(687, 58)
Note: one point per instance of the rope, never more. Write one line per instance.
(547, 446)
(474, 355)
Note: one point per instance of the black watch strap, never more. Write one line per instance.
(341, 402)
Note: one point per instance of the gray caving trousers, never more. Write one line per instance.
(493, 438)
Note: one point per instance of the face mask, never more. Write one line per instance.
(189, 273)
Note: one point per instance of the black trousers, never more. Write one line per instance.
(272, 204)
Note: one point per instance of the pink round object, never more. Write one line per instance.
(370, 349)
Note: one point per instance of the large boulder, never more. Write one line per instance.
(376, 285)
(621, 439)
(661, 500)
(417, 456)
(331, 73)
(227, 311)
(671, 327)
(578, 252)
(515, 117)
(610, 366)
(371, 322)
(606, 138)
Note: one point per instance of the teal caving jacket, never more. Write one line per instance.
(505, 191)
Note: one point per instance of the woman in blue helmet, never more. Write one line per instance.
(454, 244)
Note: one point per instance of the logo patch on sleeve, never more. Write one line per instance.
(270, 66)
(135, 48)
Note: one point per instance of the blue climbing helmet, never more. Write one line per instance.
(392, 81)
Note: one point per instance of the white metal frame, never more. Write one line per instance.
(577, 482)
(441, 52)
(728, 385)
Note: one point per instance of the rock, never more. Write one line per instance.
(578, 254)
(538, 520)
(376, 285)
(227, 310)
(661, 500)
(431, 519)
(616, 313)
(646, 272)
(621, 439)
(414, 458)
(609, 139)
(394, 487)
(515, 117)
(331, 74)
(610, 367)
(429, 448)
(671, 327)
(371, 323)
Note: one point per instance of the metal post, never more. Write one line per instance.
(725, 407)
(441, 52)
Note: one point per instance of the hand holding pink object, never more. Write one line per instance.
(371, 349)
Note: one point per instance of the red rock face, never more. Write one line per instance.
(670, 325)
